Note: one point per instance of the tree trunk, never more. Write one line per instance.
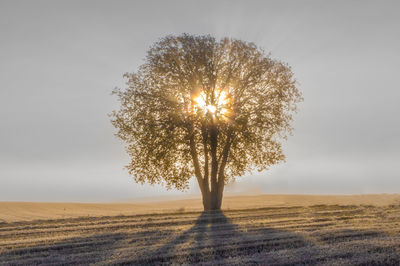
(206, 201)
(214, 168)
(212, 183)
(212, 201)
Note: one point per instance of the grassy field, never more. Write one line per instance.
(309, 232)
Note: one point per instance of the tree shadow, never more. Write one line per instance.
(214, 239)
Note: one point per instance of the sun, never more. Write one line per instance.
(200, 101)
(217, 106)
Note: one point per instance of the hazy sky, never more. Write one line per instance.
(59, 61)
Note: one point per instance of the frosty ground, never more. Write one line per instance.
(312, 234)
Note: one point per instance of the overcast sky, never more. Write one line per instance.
(60, 60)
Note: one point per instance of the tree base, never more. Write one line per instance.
(212, 209)
(208, 206)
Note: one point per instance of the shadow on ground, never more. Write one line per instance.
(213, 239)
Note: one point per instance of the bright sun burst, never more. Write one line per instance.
(219, 107)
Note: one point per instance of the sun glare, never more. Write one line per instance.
(211, 108)
(201, 101)
(218, 108)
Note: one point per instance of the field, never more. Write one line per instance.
(312, 230)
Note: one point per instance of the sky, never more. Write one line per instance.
(60, 60)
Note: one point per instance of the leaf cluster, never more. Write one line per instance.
(156, 122)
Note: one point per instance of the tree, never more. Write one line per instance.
(204, 108)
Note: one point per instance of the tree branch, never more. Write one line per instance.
(195, 158)
(205, 147)
(225, 153)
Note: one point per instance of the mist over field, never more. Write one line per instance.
(190, 96)
(60, 61)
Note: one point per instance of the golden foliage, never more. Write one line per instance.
(205, 108)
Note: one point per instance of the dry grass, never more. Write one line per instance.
(316, 234)
(29, 211)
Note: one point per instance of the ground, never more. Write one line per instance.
(312, 230)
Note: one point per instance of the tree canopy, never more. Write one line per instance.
(205, 108)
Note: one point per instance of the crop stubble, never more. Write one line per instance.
(315, 235)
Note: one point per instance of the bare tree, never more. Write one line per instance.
(205, 108)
